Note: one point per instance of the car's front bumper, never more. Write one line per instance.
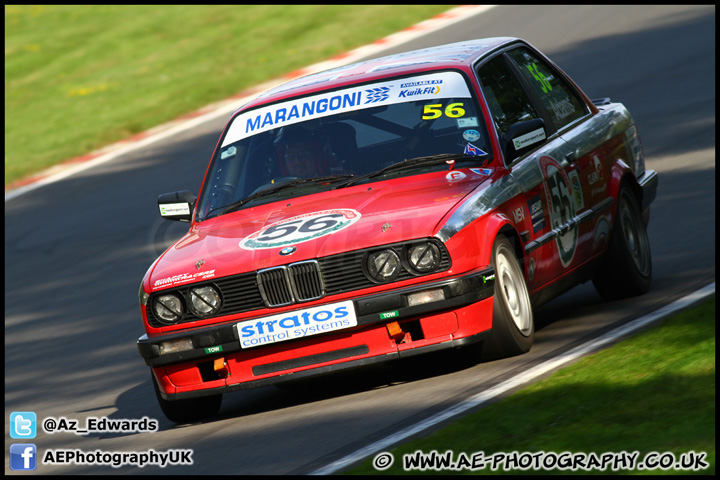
(387, 328)
(648, 181)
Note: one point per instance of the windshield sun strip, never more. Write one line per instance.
(362, 115)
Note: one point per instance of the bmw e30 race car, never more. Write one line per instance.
(422, 201)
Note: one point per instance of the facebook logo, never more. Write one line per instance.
(23, 456)
(23, 425)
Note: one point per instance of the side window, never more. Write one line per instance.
(509, 103)
(559, 99)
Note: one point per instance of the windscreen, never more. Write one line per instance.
(340, 134)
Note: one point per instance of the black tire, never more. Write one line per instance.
(190, 410)
(513, 325)
(626, 270)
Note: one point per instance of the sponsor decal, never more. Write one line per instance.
(575, 180)
(486, 172)
(562, 108)
(597, 176)
(467, 122)
(296, 324)
(422, 87)
(529, 138)
(170, 209)
(184, 278)
(471, 149)
(375, 95)
(310, 109)
(421, 83)
(537, 215)
(471, 135)
(519, 215)
(563, 207)
(301, 228)
(455, 176)
(424, 91)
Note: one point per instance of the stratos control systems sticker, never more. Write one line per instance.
(296, 324)
(301, 228)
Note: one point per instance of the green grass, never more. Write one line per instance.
(653, 392)
(81, 77)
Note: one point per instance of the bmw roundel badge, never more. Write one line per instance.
(288, 250)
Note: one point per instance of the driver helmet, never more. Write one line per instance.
(299, 151)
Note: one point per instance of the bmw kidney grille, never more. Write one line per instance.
(298, 282)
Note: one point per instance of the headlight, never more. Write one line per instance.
(204, 301)
(383, 266)
(168, 308)
(424, 258)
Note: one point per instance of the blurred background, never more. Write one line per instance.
(78, 77)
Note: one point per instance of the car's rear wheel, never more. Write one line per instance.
(513, 326)
(626, 271)
(188, 410)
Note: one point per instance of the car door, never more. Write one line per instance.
(587, 164)
(519, 86)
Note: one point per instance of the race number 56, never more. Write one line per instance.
(435, 110)
(300, 229)
(561, 200)
(311, 225)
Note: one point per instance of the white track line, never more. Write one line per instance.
(228, 106)
(518, 380)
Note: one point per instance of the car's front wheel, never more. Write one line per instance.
(626, 270)
(188, 410)
(513, 326)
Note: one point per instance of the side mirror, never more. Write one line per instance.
(521, 135)
(177, 205)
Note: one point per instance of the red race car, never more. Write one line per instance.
(422, 201)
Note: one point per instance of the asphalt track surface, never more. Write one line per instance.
(76, 250)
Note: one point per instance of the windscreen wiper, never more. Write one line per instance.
(280, 186)
(413, 162)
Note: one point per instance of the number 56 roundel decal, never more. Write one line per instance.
(562, 203)
(301, 228)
